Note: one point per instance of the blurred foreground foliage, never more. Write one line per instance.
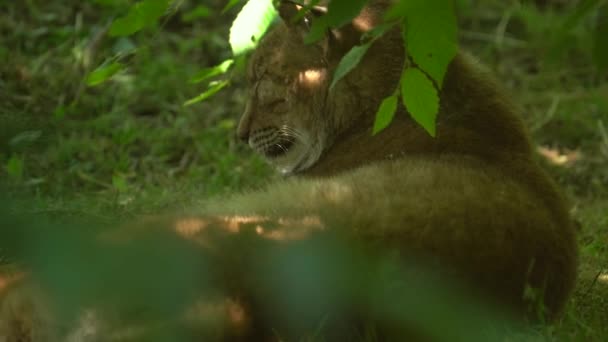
(143, 282)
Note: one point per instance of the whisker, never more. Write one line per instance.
(290, 132)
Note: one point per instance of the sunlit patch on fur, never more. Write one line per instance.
(189, 227)
(8, 279)
(218, 312)
(233, 223)
(295, 229)
(336, 192)
(312, 77)
(362, 23)
(291, 234)
(87, 328)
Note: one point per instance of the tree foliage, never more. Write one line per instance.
(429, 33)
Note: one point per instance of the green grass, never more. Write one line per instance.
(128, 147)
(127, 138)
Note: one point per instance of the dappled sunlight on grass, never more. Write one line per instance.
(561, 158)
(278, 229)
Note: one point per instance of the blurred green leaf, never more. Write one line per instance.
(582, 10)
(212, 71)
(385, 113)
(420, 98)
(600, 38)
(15, 167)
(341, 12)
(103, 73)
(200, 11)
(126, 26)
(25, 139)
(349, 62)
(119, 183)
(124, 46)
(59, 112)
(229, 5)
(250, 25)
(213, 88)
(142, 14)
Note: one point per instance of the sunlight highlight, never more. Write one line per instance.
(561, 158)
(7, 280)
(218, 312)
(278, 229)
(189, 227)
(336, 192)
(311, 77)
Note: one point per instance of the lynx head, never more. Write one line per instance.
(292, 116)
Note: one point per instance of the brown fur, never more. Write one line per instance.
(471, 202)
(472, 196)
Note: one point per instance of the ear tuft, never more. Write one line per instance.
(288, 11)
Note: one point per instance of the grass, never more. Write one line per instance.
(128, 147)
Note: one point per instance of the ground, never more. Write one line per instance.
(129, 147)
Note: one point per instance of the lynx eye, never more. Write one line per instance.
(274, 104)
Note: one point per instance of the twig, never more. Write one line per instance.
(489, 38)
(501, 28)
(604, 136)
(548, 115)
(592, 285)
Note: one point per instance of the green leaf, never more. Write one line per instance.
(125, 26)
(317, 31)
(142, 14)
(60, 112)
(349, 62)
(14, 167)
(25, 139)
(339, 13)
(377, 31)
(600, 45)
(385, 113)
(420, 98)
(229, 5)
(342, 12)
(305, 10)
(103, 73)
(250, 24)
(430, 36)
(212, 71)
(582, 9)
(213, 88)
(200, 11)
(151, 10)
(119, 183)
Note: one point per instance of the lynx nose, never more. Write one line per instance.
(242, 134)
(242, 131)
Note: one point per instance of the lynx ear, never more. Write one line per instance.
(288, 11)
